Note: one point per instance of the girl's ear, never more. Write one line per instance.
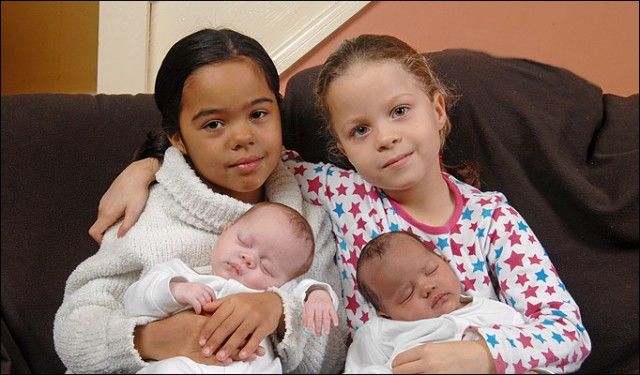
(439, 107)
(176, 141)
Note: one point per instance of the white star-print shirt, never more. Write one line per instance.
(490, 248)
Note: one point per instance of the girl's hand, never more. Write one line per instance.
(174, 336)
(194, 294)
(240, 321)
(461, 357)
(126, 196)
(319, 312)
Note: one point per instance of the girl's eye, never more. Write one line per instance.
(215, 124)
(258, 114)
(400, 111)
(359, 131)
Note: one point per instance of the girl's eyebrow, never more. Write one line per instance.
(209, 111)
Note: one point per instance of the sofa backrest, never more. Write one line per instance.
(59, 155)
(566, 157)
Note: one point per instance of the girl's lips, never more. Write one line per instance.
(398, 161)
(246, 166)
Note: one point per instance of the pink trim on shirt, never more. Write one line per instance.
(446, 228)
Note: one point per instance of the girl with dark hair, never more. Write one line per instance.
(218, 93)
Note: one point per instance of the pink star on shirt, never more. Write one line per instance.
(531, 292)
(359, 241)
(514, 238)
(355, 208)
(314, 185)
(469, 284)
(571, 335)
(501, 365)
(519, 368)
(522, 279)
(550, 290)
(352, 304)
(455, 248)
(534, 259)
(299, 170)
(328, 193)
(533, 362)
(514, 260)
(525, 340)
(508, 226)
(533, 310)
(494, 237)
(364, 318)
(359, 190)
(346, 174)
(342, 190)
(353, 258)
(361, 223)
(550, 356)
(504, 286)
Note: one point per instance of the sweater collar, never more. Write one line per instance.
(194, 203)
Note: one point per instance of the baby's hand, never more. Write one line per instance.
(194, 294)
(319, 312)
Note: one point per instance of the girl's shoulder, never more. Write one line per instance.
(472, 195)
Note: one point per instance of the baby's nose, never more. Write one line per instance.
(248, 260)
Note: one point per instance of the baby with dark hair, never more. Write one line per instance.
(418, 299)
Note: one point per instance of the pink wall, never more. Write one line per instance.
(596, 40)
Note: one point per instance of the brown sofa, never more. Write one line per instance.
(565, 155)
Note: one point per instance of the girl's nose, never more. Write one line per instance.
(242, 136)
(387, 137)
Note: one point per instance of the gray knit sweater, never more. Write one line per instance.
(183, 219)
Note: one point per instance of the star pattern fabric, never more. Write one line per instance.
(489, 246)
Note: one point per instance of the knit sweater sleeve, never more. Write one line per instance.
(91, 332)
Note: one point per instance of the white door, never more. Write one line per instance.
(134, 36)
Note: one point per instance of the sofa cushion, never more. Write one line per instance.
(564, 154)
(59, 155)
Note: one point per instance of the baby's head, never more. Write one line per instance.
(267, 246)
(404, 280)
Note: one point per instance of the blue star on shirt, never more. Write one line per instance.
(540, 338)
(513, 344)
(480, 232)
(442, 242)
(522, 226)
(558, 313)
(491, 339)
(329, 172)
(557, 337)
(466, 214)
(394, 227)
(338, 210)
(318, 169)
(499, 252)
(374, 234)
(478, 266)
(541, 275)
(486, 212)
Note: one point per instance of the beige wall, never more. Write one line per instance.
(596, 40)
(49, 46)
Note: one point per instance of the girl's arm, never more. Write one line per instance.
(553, 337)
(126, 196)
